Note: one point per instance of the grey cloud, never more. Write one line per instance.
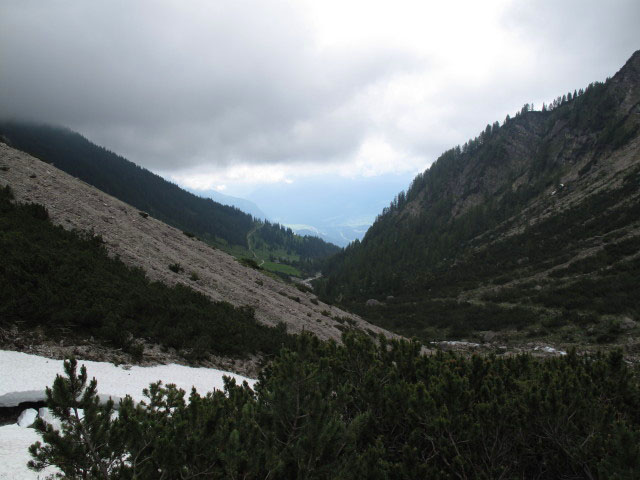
(577, 40)
(173, 85)
(170, 86)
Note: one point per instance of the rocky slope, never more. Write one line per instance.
(145, 242)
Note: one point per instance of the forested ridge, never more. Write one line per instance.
(534, 223)
(213, 222)
(279, 248)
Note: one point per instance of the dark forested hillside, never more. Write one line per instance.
(117, 176)
(65, 284)
(532, 225)
(278, 246)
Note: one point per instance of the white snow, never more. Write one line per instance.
(46, 415)
(457, 343)
(24, 377)
(14, 454)
(27, 417)
(550, 350)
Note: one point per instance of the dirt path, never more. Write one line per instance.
(254, 230)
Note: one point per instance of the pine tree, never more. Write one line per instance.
(87, 446)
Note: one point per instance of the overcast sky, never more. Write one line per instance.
(233, 95)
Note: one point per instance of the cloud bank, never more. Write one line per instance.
(225, 93)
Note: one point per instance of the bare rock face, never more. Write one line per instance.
(142, 241)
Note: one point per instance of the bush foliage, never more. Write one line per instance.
(367, 410)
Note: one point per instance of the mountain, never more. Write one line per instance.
(247, 206)
(341, 235)
(338, 234)
(339, 208)
(531, 228)
(220, 225)
(117, 176)
(158, 254)
(311, 230)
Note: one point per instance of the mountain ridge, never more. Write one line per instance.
(504, 205)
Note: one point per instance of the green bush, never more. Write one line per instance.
(176, 268)
(250, 262)
(364, 410)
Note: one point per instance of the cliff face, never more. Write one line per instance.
(518, 218)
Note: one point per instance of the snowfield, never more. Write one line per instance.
(14, 454)
(24, 377)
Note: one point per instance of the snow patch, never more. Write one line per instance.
(14, 454)
(24, 377)
(550, 350)
(27, 417)
(460, 343)
(46, 415)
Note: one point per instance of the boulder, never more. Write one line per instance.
(372, 302)
(489, 336)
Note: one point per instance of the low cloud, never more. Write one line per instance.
(214, 94)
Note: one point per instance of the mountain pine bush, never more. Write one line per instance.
(376, 410)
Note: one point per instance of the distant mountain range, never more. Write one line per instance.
(341, 235)
(340, 209)
(247, 206)
(533, 227)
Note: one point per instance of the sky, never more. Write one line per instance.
(259, 98)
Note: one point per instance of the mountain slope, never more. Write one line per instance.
(149, 244)
(221, 225)
(243, 204)
(533, 225)
(126, 181)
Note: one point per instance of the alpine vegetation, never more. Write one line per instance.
(361, 410)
